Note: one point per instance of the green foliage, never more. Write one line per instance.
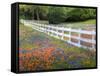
(33, 12)
(80, 14)
(25, 12)
(56, 15)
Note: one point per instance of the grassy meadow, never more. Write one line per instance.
(39, 51)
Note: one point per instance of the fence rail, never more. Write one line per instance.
(76, 37)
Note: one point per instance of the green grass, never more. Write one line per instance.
(77, 25)
(91, 21)
(25, 35)
(81, 24)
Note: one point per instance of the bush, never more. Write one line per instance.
(56, 15)
(80, 14)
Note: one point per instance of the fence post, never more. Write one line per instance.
(57, 31)
(93, 37)
(62, 38)
(69, 34)
(38, 28)
(41, 28)
(48, 30)
(23, 22)
(79, 36)
(52, 33)
(44, 28)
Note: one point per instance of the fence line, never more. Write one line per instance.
(59, 32)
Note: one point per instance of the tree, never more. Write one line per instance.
(56, 15)
(80, 14)
(25, 12)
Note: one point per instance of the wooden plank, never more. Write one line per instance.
(76, 37)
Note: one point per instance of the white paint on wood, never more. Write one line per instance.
(49, 29)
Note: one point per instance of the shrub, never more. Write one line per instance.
(56, 15)
(80, 14)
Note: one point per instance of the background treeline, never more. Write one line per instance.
(55, 15)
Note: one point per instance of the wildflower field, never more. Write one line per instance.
(38, 51)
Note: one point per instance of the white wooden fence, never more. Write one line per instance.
(65, 34)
